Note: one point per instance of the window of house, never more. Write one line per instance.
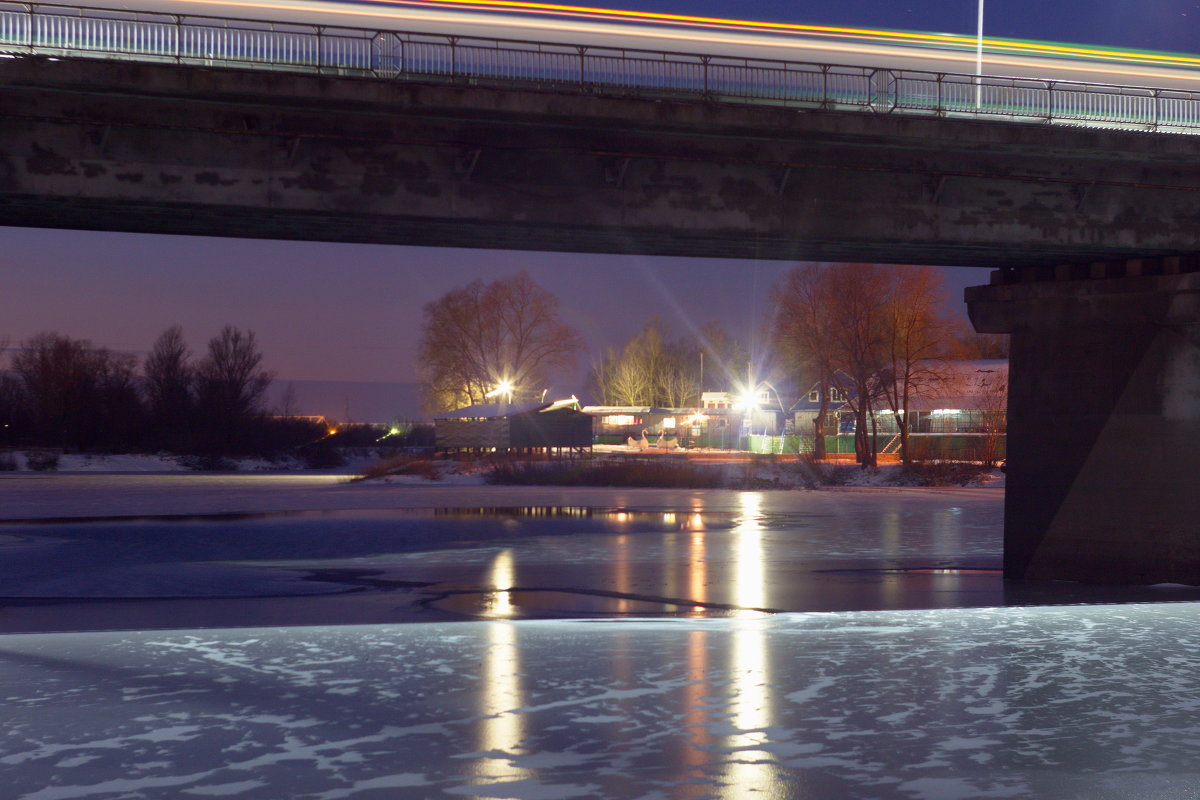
(668, 422)
(837, 395)
(814, 396)
(621, 419)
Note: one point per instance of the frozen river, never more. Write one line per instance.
(581, 644)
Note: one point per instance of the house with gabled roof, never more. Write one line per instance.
(970, 398)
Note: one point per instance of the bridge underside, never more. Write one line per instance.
(1104, 412)
(167, 149)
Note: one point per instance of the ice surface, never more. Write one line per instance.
(1096, 701)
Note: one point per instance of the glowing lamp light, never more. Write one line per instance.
(747, 400)
(504, 387)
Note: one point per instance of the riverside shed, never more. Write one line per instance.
(509, 427)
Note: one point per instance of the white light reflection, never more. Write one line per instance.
(623, 577)
(697, 571)
(501, 724)
(750, 769)
(748, 580)
(498, 604)
(890, 546)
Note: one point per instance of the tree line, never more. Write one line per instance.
(63, 392)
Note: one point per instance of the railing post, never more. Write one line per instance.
(319, 29)
(941, 112)
(1154, 127)
(453, 58)
(582, 51)
(1050, 102)
(31, 22)
(704, 61)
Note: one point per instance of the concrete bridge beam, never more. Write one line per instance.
(1103, 420)
(168, 149)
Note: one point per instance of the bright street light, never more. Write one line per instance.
(504, 387)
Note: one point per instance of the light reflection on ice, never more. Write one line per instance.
(749, 591)
(501, 727)
(498, 603)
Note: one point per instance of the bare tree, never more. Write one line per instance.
(168, 373)
(635, 375)
(722, 358)
(974, 346)
(652, 370)
(76, 395)
(480, 335)
(859, 295)
(919, 338)
(230, 384)
(804, 333)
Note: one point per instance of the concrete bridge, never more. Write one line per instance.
(1094, 231)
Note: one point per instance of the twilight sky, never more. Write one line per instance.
(352, 312)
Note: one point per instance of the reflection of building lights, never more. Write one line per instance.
(623, 578)
(753, 773)
(748, 556)
(622, 517)
(669, 518)
(503, 576)
(697, 570)
(751, 708)
(502, 727)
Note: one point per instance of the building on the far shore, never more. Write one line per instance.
(552, 428)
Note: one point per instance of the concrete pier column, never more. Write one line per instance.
(1103, 420)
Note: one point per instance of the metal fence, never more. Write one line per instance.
(81, 32)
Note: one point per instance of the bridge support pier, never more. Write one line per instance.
(1103, 419)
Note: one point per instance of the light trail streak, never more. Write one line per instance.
(394, 9)
(588, 26)
(589, 12)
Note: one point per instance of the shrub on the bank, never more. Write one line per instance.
(403, 465)
(42, 460)
(322, 457)
(821, 473)
(8, 463)
(209, 464)
(946, 473)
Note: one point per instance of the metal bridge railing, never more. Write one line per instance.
(82, 32)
